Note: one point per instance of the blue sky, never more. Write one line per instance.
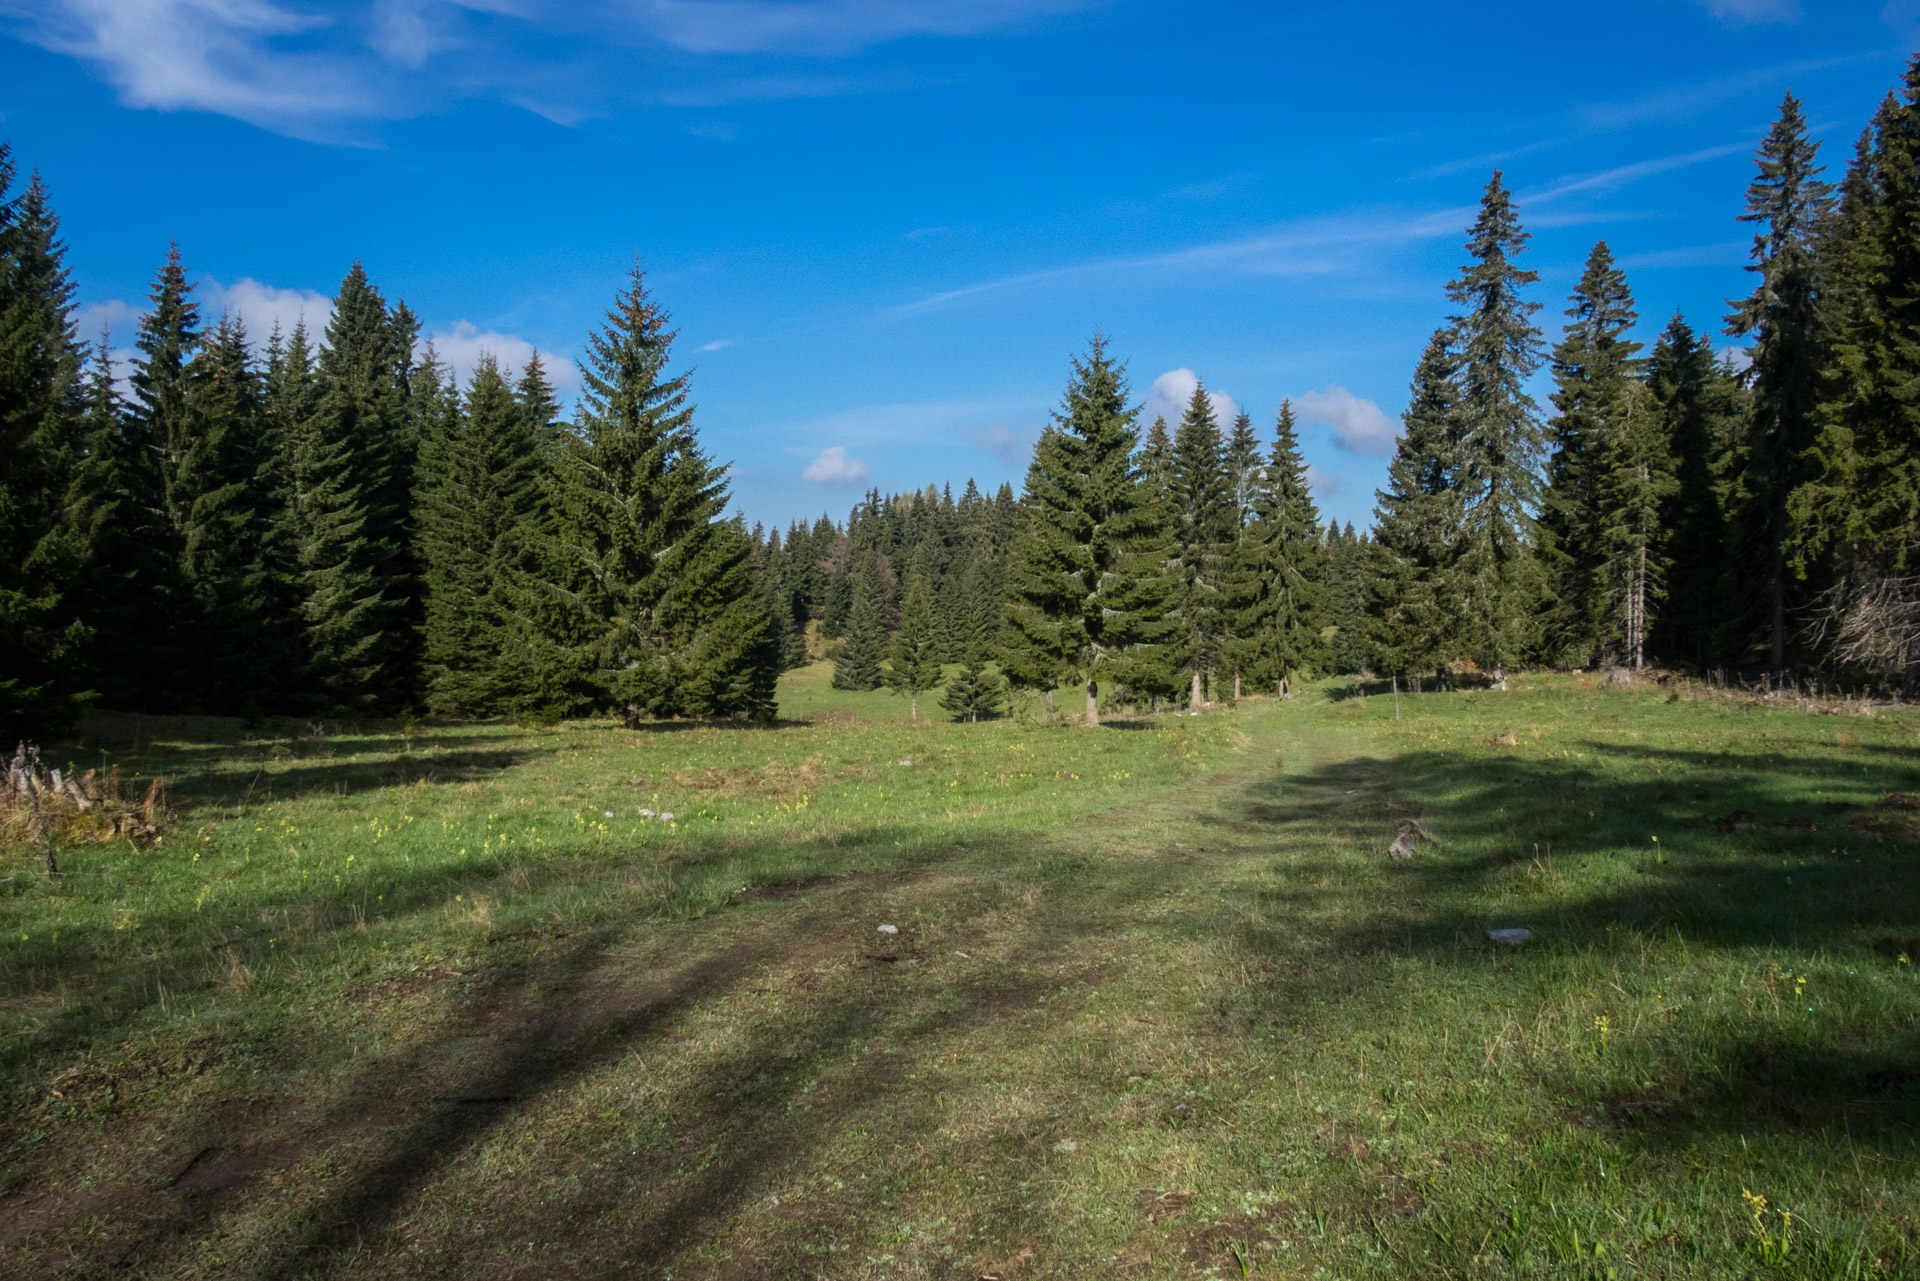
(883, 227)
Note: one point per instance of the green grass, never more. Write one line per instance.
(407, 1002)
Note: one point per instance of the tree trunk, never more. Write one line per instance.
(1396, 696)
(913, 705)
(1049, 702)
(1197, 696)
(1236, 687)
(1093, 705)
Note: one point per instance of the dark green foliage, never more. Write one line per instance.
(973, 691)
(858, 664)
(1087, 592)
(235, 569)
(1593, 366)
(479, 486)
(1789, 205)
(917, 649)
(42, 680)
(1499, 584)
(1243, 460)
(1274, 593)
(356, 560)
(1414, 595)
(1858, 503)
(1200, 504)
(646, 601)
(1702, 404)
(1345, 599)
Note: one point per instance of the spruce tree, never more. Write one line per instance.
(1789, 204)
(231, 568)
(1592, 367)
(858, 664)
(1701, 405)
(652, 604)
(1243, 460)
(973, 691)
(42, 640)
(1415, 596)
(1855, 507)
(1201, 506)
(1087, 592)
(355, 554)
(1156, 457)
(1500, 581)
(916, 657)
(479, 474)
(1633, 483)
(1276, 588)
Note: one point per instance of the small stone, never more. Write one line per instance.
(889, 929)
(1510, 938)
(903, 762)
(606, 813)
(1066, 1145)
(666, 818)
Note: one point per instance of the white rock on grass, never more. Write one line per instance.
(1510, 938)
(889, 929)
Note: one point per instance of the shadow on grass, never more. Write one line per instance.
(547, 1021)
(1567, 852)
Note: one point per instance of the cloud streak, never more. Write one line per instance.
(297, 67)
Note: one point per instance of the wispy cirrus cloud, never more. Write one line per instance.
(1319, 246)
(1741, 13)
(312, 69)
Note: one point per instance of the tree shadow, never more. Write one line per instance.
(1518, 844)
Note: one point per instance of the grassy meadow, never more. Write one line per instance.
(438, 1000)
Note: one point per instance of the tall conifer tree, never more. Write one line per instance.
(42, 673)
(1497, 348)
(1789, 204)
(1275, 592)
(1593, 365)
(1200, 503)
(1087, 595)
(654, 608)
(479, 478)
(1414, 597)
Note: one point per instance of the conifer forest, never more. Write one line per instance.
(326, 523)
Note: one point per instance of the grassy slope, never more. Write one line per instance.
(413, 1005)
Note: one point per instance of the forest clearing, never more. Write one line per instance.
(477, 1001)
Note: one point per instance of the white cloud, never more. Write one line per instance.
(1310, 247)
(1359, 426)
(207, 55)
(114, 313)
(832, 26)
(1170, 393)
(833, 467)
(308, 69)
(1009, 446)
(1740, 13)
(921, 423)
(720, 344)
(261, 307)
(1738, 359)
(1324, 484)
(461, 346)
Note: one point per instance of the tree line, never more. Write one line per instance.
(329, 524)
